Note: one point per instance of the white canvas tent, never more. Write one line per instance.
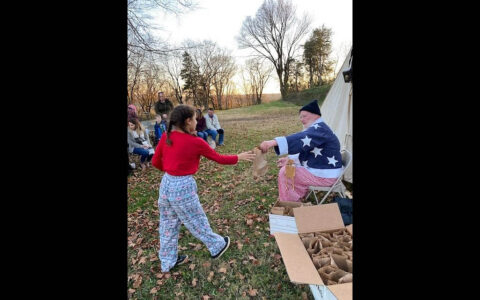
(337, 111)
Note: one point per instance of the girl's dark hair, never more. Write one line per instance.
(178, 116)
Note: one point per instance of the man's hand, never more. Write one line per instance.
(265, 145)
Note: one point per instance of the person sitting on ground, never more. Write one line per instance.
(214, 127)
(315, 151)
(200, 129)
(132, 111)
(139, 143)
(163, 105)
(160, 126)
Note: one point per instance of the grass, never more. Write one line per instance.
(252, 266)
(303, 97)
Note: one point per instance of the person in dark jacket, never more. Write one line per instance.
(163, 105)
(201, 128)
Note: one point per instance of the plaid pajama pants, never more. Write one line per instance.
(178, 203)
(302, 180)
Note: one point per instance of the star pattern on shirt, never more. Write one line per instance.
(316, 125)
(316, 151)
(306, 141)
(304, 164)
(332, 160)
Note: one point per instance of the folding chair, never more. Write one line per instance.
(338, 186)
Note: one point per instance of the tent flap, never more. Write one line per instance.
(337, 112)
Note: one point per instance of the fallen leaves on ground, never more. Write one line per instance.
(137, 282)
(210, 276)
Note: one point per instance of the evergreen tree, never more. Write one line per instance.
(316, 55)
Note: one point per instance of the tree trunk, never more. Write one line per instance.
(219, 101)
(285, 82)
(296, 81)
(283, 89)
(320, 69)
(178, 96)
(310, 82)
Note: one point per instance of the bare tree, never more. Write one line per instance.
(223, 67)
(275, 34)
(246, 85)
(139, 28)
(206, 70)
(172, 65)
(135, 63)
(339, 55)
(258, 75)
(152, 82)
(230, 88)
(203, 57)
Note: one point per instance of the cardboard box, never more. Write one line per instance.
(299, 265)
(281, 223)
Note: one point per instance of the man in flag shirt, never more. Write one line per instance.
(315, 151)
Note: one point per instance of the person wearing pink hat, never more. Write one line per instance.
(132, 112)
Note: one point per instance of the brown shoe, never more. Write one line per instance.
(144, 167)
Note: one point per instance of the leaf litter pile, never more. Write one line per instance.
(236, 203)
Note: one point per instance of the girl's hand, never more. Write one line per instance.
(281, 162)
(248, 156)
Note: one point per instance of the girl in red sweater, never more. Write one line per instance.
(178, 155)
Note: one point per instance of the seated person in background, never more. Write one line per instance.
(139, 143)
(214, 127)
(132, 111)
(315, 151)
(200, 129)
(160, 126)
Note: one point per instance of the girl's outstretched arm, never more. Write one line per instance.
(211, 154)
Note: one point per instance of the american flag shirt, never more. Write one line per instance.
(315, 148)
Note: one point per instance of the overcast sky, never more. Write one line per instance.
(221, 20)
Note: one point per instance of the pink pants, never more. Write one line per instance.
(303, 179)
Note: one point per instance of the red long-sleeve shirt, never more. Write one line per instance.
(183, 156)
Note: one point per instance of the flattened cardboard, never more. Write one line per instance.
(300, 268)
(342, 291)
(318, 218)
(287, 204)
(278, 210)
(350, 229)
